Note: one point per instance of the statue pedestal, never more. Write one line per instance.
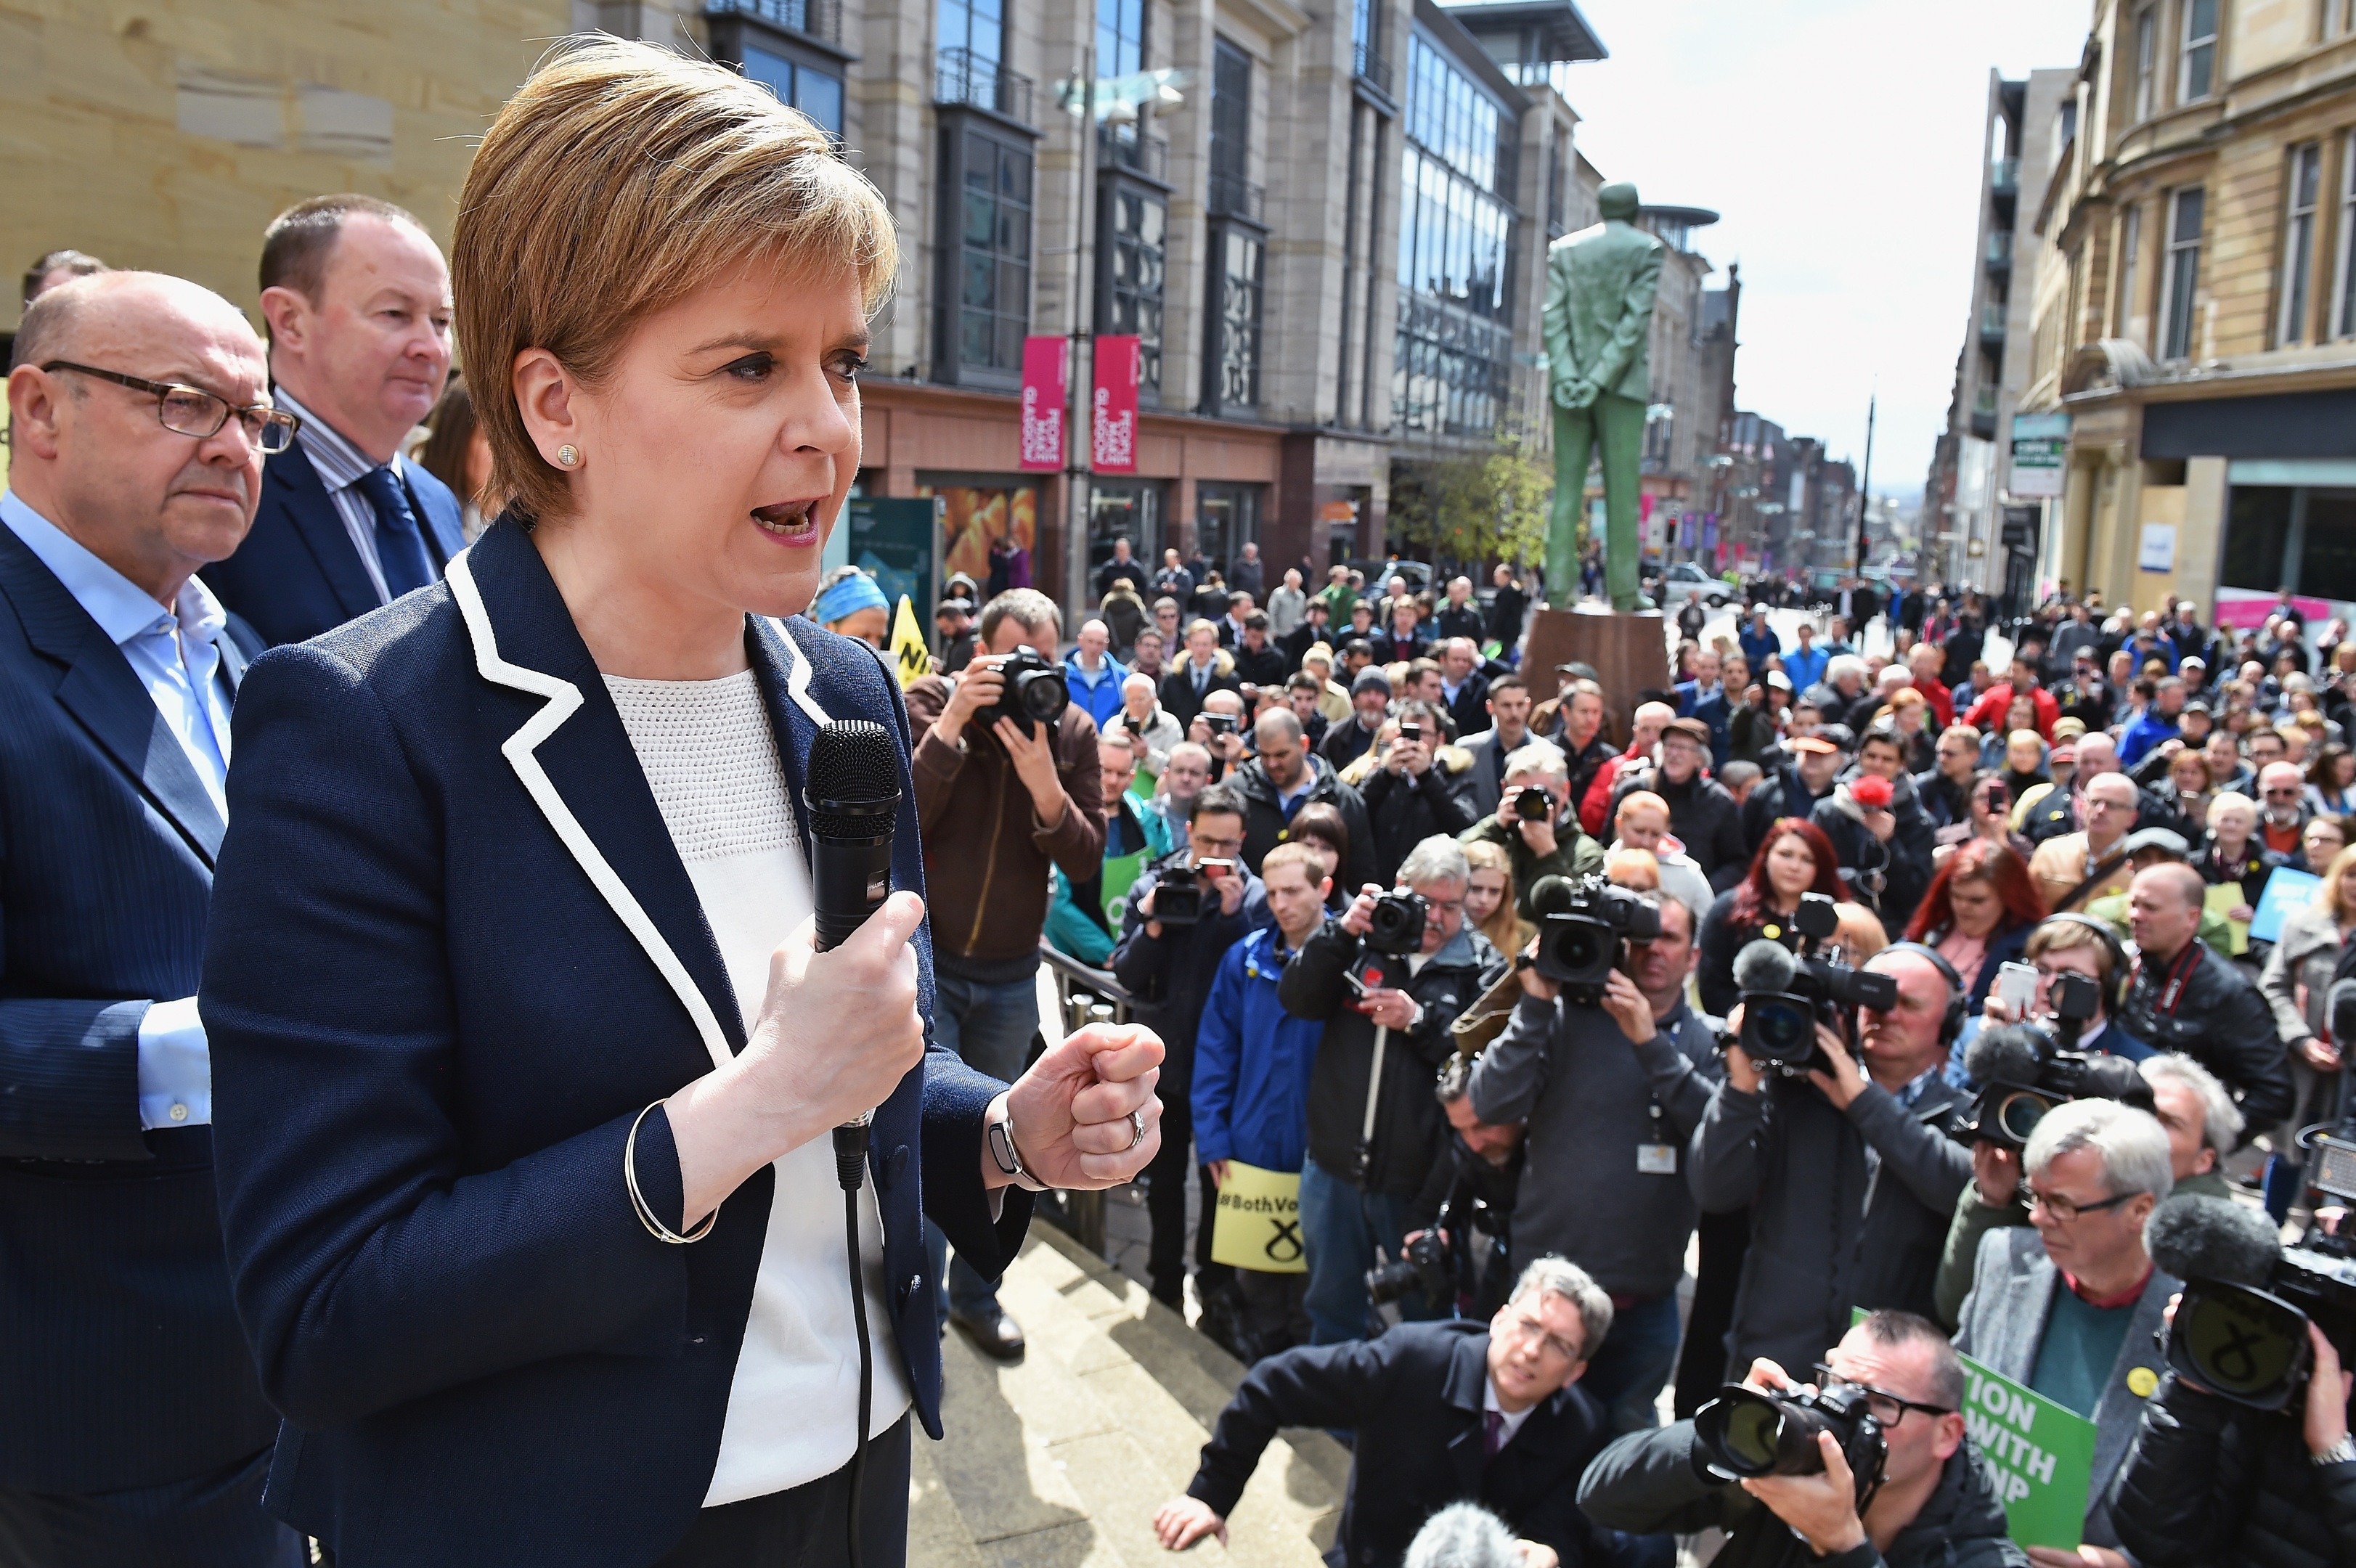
(1630, 653)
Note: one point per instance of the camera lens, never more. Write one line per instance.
(1582, 947)
(1785, 1029)
(1042, 695)
(2017, 1116)
(1754, 1429)
(2240, 1344)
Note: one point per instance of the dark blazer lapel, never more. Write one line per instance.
(1468, 1377)
(292, 483)
(103, 694)
(575, 761)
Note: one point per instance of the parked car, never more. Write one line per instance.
(1686, 578)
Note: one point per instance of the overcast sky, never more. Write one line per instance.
(1840, 142)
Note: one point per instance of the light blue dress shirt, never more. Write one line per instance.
(174, 655)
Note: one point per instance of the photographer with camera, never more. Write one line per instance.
(1879, 831)
(1410, 796)
(1533, 825)
(1008, 786)
(1613, 1087)
(1444, 1412)
(1284, 777)
(1842, 1152)
(1386, 980)
(1473, 1188)
(1701, 812)
(1926, 1499)
(2243, 1456)
(1181, 918)
(2184, 997)
(2068, 1308)
(1219, 730)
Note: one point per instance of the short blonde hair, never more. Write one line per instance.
(618, 180)
(2327, 895)
(1294, 854)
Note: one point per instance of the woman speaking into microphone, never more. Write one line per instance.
(525, 1059)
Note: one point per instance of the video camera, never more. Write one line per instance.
(1746, 1432)
(1785, 996)
(2241, 1327)
(2023, 1074)
(1581, 923)
(1035, 692)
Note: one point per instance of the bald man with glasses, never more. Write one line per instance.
(139, 414)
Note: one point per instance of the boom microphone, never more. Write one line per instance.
(2008, 1053)
(853, 797)
(1552, 895)
(1764, 965)
(2194, 1237)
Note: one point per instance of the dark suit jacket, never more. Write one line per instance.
(297, 574)
(121, 1364)
(1178, 698)
(1414, 1398)
(432, 1027)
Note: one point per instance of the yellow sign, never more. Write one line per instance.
(1259, 1222)
(910, 658)
(2226, 896)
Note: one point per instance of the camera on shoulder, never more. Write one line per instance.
(2023, 1073)
(1785, 995)
(1583, 925)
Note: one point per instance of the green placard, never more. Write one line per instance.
(892, 541)
(2044, 1454)
(1120, 874)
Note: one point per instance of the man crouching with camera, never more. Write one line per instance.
(1867, 1464)
(1386, 980)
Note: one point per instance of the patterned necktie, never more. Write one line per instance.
(400, 548)
(1497, 1425)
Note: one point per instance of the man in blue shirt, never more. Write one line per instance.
(2154, 724)
(1805, 663)
(139, 414)
(1759, 641)
(1094, 675)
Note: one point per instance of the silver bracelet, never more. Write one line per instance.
(655, 1227)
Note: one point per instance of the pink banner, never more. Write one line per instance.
(1115, 443)
(1043, 403)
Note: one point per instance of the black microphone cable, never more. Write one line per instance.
(853, 798)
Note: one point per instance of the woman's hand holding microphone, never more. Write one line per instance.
(837, 1034)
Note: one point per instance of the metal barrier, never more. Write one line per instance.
(1083, 995)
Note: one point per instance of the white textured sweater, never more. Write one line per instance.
(711, 761)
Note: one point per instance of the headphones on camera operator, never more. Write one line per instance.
(1951, 1022)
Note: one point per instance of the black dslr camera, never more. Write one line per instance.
(1422, 1266)
(1785, 999)
(1745, 1433)
(1396, 925)
(1533, 803)
(2023, 1074)
(1581, 924)
(1036, 693)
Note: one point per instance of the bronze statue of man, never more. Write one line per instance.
(1598, 323)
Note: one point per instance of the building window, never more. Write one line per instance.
(2347, 326)
(1136, 239)
(977, 27)
(986, 253)
(1242, 258)
(1121, 38)
(2299, 243)
(2130, 261)
(2197, 65)
(2147, 56)
(2182, 279)
(813, 91)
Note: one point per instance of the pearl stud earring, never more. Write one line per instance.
(568, 456)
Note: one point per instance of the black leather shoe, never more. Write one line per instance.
(993, 1333)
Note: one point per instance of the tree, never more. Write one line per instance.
(1487, 504)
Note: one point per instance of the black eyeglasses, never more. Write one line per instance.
(193, 412)
(2064, 1210)
(1884, 1406)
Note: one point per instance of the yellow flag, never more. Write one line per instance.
(909, 654)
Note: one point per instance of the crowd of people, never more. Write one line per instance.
(1246, 790)
(2108, 799)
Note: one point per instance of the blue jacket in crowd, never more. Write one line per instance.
(1759, 646)
(1098, 694)
(1806, 665)
(2141, 736)
(1252, 1061)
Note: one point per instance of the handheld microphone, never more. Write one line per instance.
(853, 797)
(854, 801)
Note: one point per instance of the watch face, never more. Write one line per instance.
(1002, 1148)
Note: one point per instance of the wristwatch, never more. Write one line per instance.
(2340, 1453)
(1000, 1135)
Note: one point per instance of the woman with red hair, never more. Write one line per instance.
(1978, 913)
(1795, 857)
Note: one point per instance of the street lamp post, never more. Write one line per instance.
(1080, 430)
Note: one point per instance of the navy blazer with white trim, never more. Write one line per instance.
(453, 955)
